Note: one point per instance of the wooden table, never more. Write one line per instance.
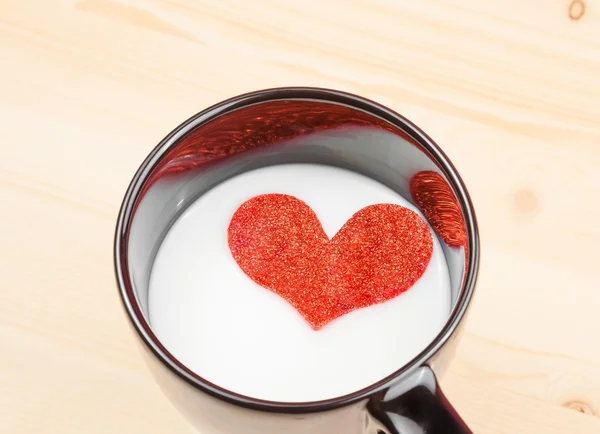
(510, 89)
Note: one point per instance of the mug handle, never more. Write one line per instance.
(416, 405)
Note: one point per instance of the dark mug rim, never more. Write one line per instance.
(294, 93)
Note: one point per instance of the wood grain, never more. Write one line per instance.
(511, 90)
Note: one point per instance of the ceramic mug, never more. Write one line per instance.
(300, 125)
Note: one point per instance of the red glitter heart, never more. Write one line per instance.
(278, 241)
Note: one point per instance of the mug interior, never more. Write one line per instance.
(289, 126)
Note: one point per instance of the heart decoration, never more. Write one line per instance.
(379, 253)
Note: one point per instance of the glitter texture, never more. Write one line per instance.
(278, 241)
(436, 200)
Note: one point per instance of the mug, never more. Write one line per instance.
(300, 125)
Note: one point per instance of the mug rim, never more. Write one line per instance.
(142, 326)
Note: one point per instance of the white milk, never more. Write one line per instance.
(245, 338)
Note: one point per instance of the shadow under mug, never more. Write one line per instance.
(300, 125)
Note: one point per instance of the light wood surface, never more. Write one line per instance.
(510, 89)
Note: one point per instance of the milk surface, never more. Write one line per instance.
(245, 338)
